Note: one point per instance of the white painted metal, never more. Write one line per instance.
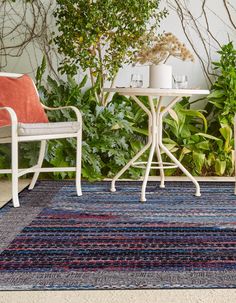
(14, 163)
(39, 164)
(160, 165)
(14, 155)
(152, 150)
(158, 151)
(155, 92)
(155, 115)
(127, 166)
(23, 171)
(15, 139)
(46, 137)
(182, 179)
(142, 151)
(78, 160)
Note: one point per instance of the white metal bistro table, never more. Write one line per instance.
(155, 117)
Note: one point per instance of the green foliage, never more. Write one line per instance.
(5, 157)
(40, 71)
(223, 92)
(222, 108)
(28, 155)
(201, 140)
(108, 136)
(112, 135)
(201, 149)
(101, 35)
(186, 137)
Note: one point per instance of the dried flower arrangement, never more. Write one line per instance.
(158, 49)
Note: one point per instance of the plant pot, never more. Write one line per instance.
(160, 76)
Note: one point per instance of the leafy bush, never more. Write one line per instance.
(100, 36)
(223, 91)
(201, 139)
(112, 135)
(108, 135)
(222, 108)
(186, 135)
(205, 145)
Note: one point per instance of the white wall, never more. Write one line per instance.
(219, 25)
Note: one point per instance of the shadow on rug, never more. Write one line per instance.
(104, 240)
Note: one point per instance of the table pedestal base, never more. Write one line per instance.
(155, 115)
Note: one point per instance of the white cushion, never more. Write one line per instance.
(35, 129)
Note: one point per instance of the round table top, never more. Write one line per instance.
(131, 91)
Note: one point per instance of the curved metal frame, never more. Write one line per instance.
(155, 118)
(15, 139)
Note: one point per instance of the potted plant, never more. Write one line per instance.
(155, 51)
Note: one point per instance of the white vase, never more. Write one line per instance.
(160, 76)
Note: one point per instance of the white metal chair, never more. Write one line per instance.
(23, 132)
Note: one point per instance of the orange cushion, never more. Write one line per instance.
(20, 94)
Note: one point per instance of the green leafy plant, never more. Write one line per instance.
(112, 135)
(108, 135)
(202, 150)
(185, 135)
(222, 108)
(100, 36)
(223, 91)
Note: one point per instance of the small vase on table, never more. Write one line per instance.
(160, 76)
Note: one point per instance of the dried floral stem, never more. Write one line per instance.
(158, 49)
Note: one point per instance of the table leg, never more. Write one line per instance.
(162, 175)
(149, 163)
(184, 170)
(142, 151)
(153, 133)
(172, 157)
(158, 151)
(139, 154)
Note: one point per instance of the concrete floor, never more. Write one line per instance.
(113, 296)
(5, 190)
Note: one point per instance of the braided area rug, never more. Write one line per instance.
(105, 240)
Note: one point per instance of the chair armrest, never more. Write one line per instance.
(75, 109)
(14, 121)
(12, 114)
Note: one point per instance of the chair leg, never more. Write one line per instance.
(78, 163)
(14, 167)
(39, 164)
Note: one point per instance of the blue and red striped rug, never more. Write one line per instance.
(105, 240)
